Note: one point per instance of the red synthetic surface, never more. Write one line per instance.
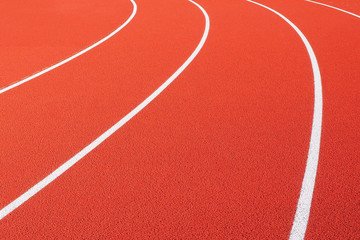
(37, 34)
(335, 212)
(219, 154)
(347, 5)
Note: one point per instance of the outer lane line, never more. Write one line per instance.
(339, 9)
(74, 56)
(68, 164)
(304, 203)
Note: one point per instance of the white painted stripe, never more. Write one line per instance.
(74, 56)
(339, 9)
(43, 183)
(304, 204)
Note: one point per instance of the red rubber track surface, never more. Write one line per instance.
(347, 5)
(220, 154)
(37, 34)
(335, 209)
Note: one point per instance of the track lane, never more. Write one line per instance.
(304, 203)
(68, 164)
(53, 120)
(349, 5)
(38, 34)
(78, 54)
(335, 38)
(196, 163)
(336, 8)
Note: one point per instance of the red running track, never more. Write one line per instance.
(347, 5)
(219, 154)
(38, 34)
(335, 210)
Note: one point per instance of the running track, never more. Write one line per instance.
(232, 104)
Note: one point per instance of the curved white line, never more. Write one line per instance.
(304, 204)
(74, 56)
(68, 164)
(339, 9)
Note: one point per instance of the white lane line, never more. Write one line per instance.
(74, 56)
(304, 204)
(68, 164)
(339, 9)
